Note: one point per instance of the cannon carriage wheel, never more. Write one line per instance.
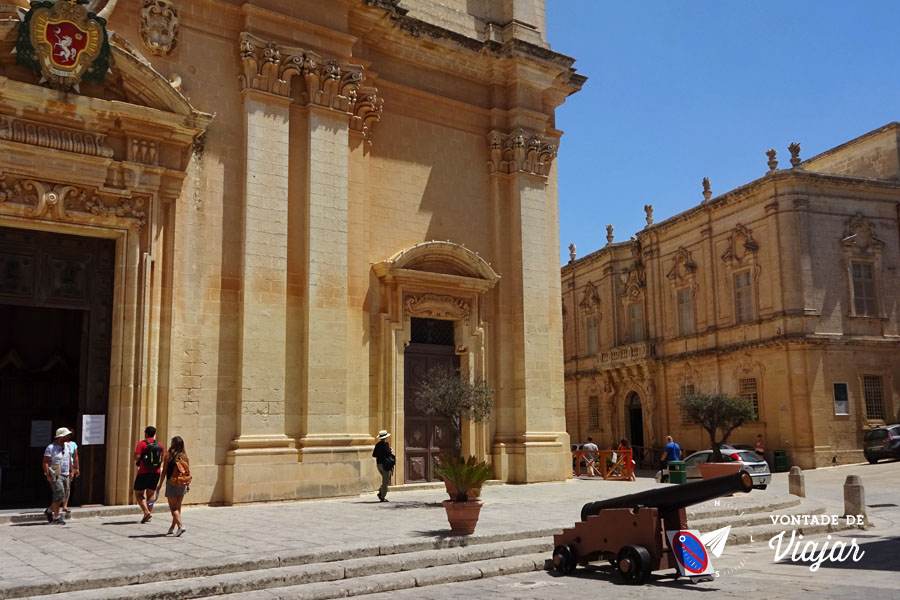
(564, 559)
(634, 564)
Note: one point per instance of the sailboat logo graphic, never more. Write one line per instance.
(715, 540)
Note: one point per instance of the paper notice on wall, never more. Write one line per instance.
(93, 429)
(41, 433)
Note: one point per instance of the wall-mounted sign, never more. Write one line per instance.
(93, 430)
(65, 42)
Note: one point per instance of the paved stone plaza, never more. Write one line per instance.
(116, 544)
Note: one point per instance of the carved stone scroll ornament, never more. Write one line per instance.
(520, 152)
(59, 201)
(682, 266)
(22, 131)
(434, 306)
(859, 236)
(159, 26)
(740, 245)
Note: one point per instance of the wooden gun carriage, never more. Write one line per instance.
(630, 531)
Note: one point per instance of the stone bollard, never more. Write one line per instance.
(854, 496)
(797, 482)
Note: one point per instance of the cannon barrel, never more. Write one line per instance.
(676, 496)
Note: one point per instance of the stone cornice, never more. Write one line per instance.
(520, 152)
(328, 83)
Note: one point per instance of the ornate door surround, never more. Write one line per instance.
(108, 162)
(437, 280)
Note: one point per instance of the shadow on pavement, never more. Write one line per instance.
(150, 535)
(608, 574)
(120, 523)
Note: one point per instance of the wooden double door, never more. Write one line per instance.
(425, 436)
(56, 294)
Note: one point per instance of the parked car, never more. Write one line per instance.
(753, 464)
(882, 442)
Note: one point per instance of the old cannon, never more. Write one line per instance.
(630, 531)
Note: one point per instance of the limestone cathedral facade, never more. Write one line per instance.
(255, 223)
(783, 291)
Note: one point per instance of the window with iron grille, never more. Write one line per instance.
(593, 413)
(874, 395)
(747, 389)
(593, 336)
(432, 331)
(685, 311)
(864, 289)
(686, 390)
(636, 321)
(743, 297)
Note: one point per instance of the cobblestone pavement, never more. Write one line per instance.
(40, 552)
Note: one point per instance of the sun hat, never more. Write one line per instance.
(62, 432)
(383, 434)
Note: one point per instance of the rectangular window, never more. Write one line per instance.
(636, 321)
(863, 289)
(593, 413)
(593, 336)
(874, 395)
(747, 389)
(686, 390)
(685, 312)
(743, 297)
(841, 399)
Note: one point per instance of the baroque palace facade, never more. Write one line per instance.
(254, 224)
(783, 291)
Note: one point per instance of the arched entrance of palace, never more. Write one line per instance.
(634, 420)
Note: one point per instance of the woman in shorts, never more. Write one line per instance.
(174, 494)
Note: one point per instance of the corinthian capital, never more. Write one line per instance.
(520, 152)
(337, 85)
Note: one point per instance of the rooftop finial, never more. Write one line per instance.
(707, 192)
(773, 162)
(609, 234)
(794, 149)
(648, 210)
(571, 252)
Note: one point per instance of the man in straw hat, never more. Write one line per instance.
(385, 461)
(57, 465)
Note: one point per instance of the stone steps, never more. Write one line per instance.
(418, 558)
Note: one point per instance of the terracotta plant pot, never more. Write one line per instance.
(463, 516)
(713, 470)
(473, 494)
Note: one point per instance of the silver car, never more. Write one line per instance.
(752, 463)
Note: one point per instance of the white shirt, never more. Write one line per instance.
(59, 456)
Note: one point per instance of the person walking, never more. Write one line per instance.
(75, 471)
(590, 457)
(148, 456)
(760, 448)
(385, 462)
(672, 452)
(57, 467)
(176, 466)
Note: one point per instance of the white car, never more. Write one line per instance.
(753, 464)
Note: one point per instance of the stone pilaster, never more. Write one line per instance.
(531, 443)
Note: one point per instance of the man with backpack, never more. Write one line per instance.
(149, 457)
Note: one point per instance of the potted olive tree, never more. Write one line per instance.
(717, 413)
(443, 391)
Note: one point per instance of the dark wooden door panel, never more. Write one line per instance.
(426, 436)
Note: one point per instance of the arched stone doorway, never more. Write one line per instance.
(634, 420)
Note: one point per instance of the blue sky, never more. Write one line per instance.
(685, 89)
